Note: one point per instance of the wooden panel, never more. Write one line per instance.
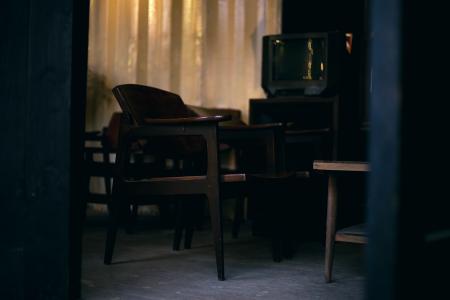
(352, 234)
(233, 178)
(302, 113)
(344, 166)
(303, 110)
(359, 230)
(348, 238)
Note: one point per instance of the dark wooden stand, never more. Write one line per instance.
(312, 131)
(353, 234)
(304, 116)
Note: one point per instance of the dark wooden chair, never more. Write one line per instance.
(159, 120)
(163, 125)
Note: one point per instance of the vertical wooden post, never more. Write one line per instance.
(331, 226)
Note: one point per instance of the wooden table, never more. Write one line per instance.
(353, 234)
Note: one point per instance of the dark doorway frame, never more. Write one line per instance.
(409, 227)
(43, 90)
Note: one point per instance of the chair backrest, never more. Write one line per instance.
(141, 102)
(111, 133)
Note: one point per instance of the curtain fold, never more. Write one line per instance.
(208, 51)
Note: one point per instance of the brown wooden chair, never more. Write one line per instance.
(159, 120)
(163, 125)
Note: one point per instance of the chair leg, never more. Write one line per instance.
(194, 218)
(238, 216)
(114, 217)
(331, 228)
(178, 226)
(277, 234)
(215, 211)
(288, 230)
(189, 233)
(288, 216)
(109, 205)
(190, 217)
(126, 218)
(108, 189)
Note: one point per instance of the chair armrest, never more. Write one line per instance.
(234, 113)
(243, 128)
(184, 137)
(190, 126)
(186, 121)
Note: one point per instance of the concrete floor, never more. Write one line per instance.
(145, 267)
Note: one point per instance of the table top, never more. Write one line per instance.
(343, 166)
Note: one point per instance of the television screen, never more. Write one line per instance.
(298, 59)
(302, 64)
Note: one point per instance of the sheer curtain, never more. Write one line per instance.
(208, 51)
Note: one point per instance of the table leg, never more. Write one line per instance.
(331, 226)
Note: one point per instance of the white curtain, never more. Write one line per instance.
(207, 51)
